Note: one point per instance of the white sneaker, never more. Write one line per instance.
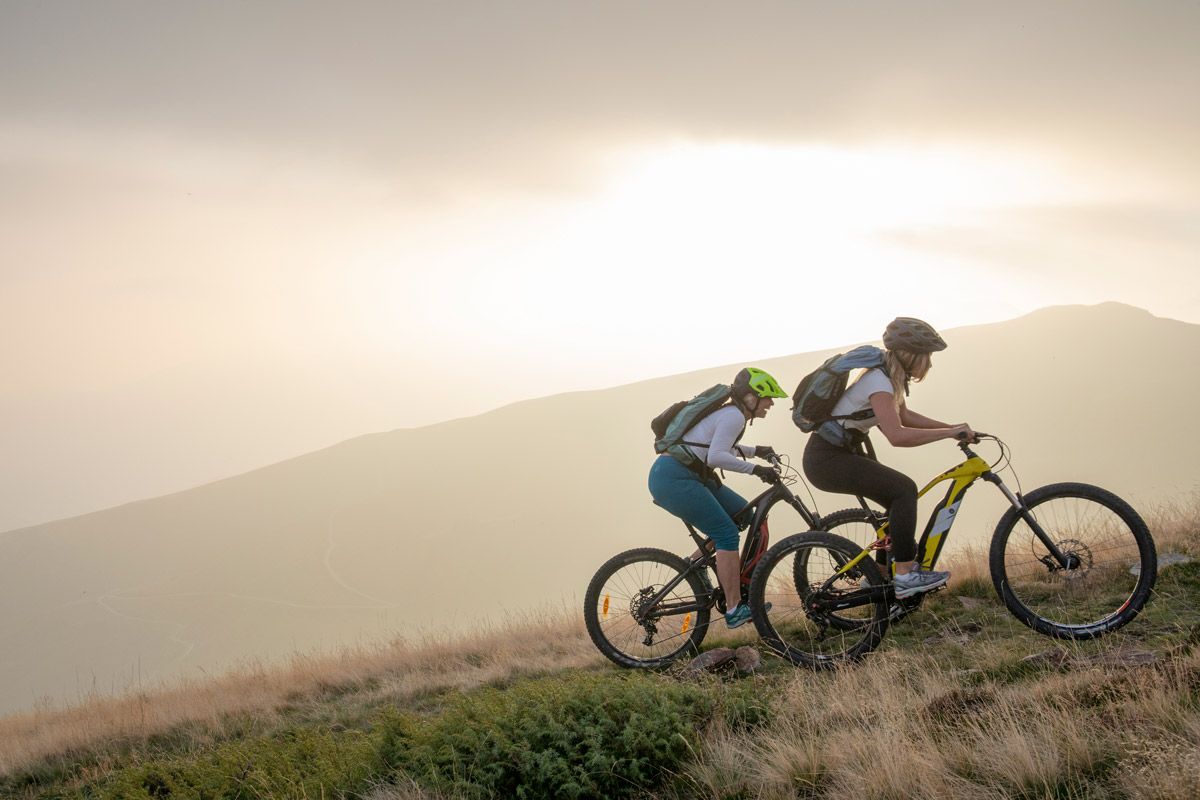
(919, 581)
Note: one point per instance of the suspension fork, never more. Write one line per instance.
(811, 519)
(1024, 512)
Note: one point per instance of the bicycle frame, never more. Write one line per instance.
(759, 508)
(941, 519)
(753, 548)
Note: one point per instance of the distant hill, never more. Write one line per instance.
(447, 527)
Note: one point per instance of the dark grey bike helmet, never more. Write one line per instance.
(913, 335)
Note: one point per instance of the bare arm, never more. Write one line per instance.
(901, 435)
(911, 419)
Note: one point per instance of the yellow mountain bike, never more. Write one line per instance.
(1069, 560)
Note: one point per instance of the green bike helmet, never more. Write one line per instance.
(752, 379)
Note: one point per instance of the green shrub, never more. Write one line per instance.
(744, 706)
(578, 737)
(294, 764)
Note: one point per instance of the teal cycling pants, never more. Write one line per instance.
(710, 508)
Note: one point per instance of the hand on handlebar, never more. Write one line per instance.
(765, 452)
(966, 435)
(765, 474)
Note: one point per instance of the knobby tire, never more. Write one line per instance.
(795, 627)
(622, 586)
(1112, 569)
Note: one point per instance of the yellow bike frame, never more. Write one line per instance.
(941, 519)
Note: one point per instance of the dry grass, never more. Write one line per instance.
(398, 671)
(968, 566)
(1176, 526)
(877, 731)
(906, 717)
(406, 789)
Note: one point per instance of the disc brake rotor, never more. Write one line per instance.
(1078, 558)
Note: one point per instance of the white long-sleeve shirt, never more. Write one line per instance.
(715, 437)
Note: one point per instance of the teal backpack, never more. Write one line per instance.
(672, 425)
(819, 391)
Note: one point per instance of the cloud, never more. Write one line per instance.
(1143, 254)
(426, 93)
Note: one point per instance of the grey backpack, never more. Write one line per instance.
(672, 425)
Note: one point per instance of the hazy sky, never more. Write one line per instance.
(231, 232)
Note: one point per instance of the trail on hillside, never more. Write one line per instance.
(333, 575)
(179, 627)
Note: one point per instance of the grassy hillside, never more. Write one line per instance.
(960, 698)
(339, 546)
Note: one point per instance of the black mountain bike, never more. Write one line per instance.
(646, 607)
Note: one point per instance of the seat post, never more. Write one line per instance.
(700, 539)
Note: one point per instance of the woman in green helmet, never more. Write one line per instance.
(695, 495)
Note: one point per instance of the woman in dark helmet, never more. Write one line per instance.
(830, 467)
(697, 497)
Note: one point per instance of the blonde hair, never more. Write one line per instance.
(902, 366)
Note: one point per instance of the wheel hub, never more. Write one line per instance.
(1076, 555)
(637, 607)
(639, 602)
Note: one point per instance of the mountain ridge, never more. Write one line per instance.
(1039, 313)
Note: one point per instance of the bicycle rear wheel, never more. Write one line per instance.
(799, 578)
(1110, 570)
(623, 623)
(856, 524)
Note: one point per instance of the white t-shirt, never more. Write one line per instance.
(719, 430)
(858, 398)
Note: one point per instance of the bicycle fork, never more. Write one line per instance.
(1057, 556)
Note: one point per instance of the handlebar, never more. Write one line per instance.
(964, 443)
(777, 465)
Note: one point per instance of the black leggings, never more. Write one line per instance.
(833, 469)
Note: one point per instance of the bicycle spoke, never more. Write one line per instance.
(1099, 583)
(799, 578)
(629, 625)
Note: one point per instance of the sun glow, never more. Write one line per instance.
(830, 191)
(718, 240)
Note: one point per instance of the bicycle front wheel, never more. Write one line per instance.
(629, 626)
(1110, 562)
(819, 615)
